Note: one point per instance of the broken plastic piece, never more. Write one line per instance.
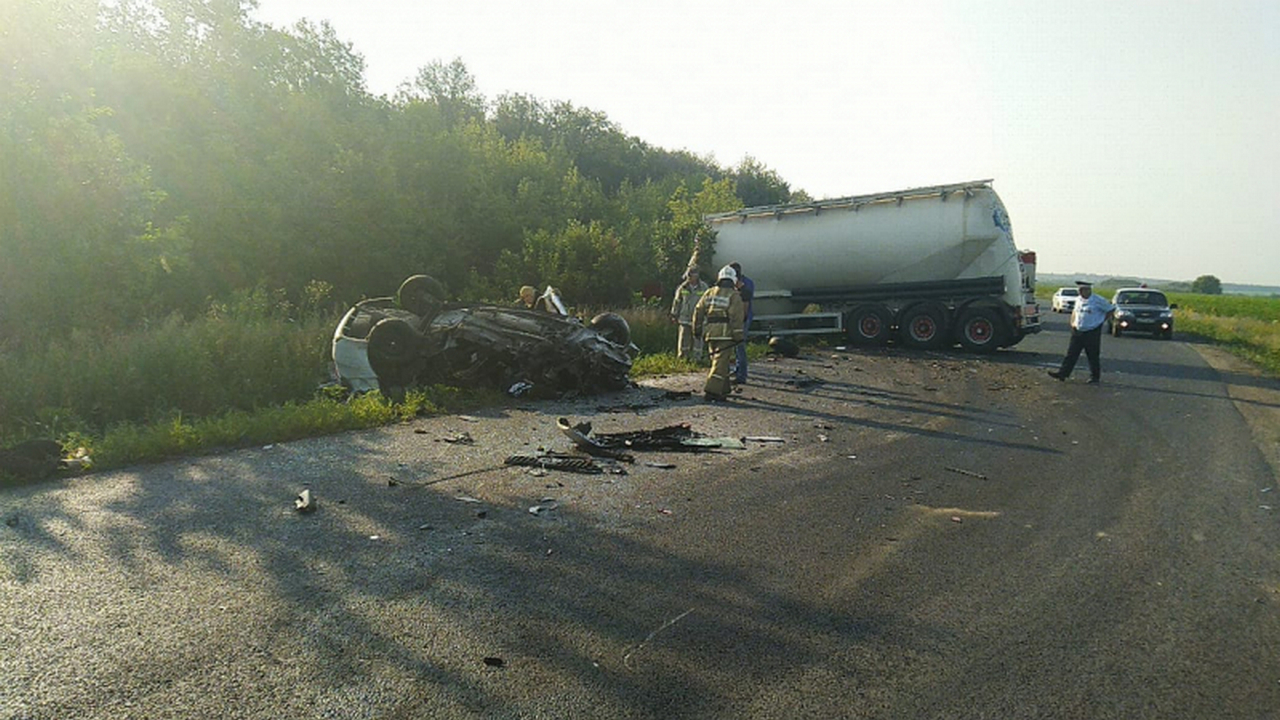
(304, 503)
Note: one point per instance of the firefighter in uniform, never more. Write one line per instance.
(720, 320)
(689, 343)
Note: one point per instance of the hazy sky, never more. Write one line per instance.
(1126, 138)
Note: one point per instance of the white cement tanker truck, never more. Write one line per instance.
(925, 268)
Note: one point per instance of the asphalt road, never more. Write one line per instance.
(937, 536)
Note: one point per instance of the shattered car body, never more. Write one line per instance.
(415, 338)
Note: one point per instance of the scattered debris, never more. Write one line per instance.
(783, 346)
(467, 499)
(661, 465)
(560, 461)
(634, 407)
(957, 519)
(970, 473)
(462, 438)
(494, 662)
(763, 439)
(539, 509)
(392, 482)
(304, 503)
(672, 437)
(803, 382)
(677, 395)
(626, 659)
(823, 438)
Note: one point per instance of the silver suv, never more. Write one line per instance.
(1142, 309)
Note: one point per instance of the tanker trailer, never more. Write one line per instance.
(927, 267)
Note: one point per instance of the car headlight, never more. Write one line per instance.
(1166, 313)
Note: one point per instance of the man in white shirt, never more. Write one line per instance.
(1087, 318)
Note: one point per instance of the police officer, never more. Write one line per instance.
(689, 344)
(1087, 318)
(720, 319)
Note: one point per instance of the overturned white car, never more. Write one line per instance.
(390, 344)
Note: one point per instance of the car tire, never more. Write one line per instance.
(394, 352)
(421, 295)
(613, 327)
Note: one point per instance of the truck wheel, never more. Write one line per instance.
(394, 352)
(979, 330)
(867, 325)
(922, 327)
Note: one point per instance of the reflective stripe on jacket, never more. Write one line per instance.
(686, 300)
(720, 315)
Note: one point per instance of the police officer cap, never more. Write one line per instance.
(727, 273)
(1084, 283)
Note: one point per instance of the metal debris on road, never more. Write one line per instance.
(970, 473)
(304, 503)
(559, 461)
(672, 437)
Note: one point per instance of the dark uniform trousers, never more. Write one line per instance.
(1090, 341)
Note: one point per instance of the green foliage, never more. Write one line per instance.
(1265, 309)
(244, 355)
(188, 198)
(128, 443)
(756, 184)
(1253, 339)
(1206, 285)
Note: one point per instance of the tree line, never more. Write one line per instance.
(160, 156)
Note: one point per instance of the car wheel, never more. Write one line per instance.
(394, 350)
(979, 330)
(421, 295)
(867, 325)
(613, 327)
(922, 327)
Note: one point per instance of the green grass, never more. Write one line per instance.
(128, 443)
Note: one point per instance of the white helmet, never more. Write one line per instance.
(727, 273)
